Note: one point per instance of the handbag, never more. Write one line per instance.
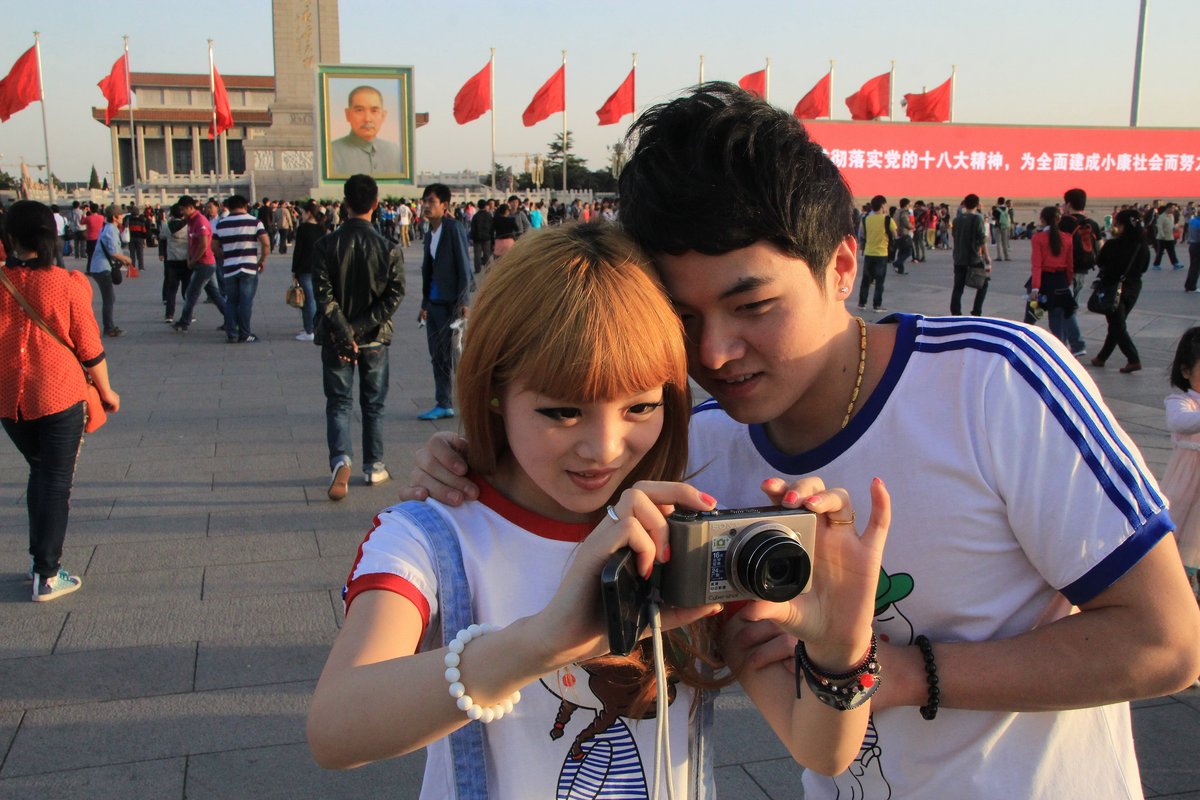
(294, 296)
(94, 414)
(1106, 297)
(977, 276)
(113, 265)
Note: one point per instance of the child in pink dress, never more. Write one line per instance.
(1181, 482)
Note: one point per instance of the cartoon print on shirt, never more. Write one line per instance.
(603, 760)
(864, 778)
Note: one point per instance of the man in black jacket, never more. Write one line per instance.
(481, 235)
(358, 288)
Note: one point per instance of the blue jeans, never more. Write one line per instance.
(437, 334)
(199, 280)
(309, 311)
(338, 379)
(240, 288)
(50, 445)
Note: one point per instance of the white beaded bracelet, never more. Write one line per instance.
(484, 714)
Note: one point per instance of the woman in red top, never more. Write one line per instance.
(1054, 273)
(42, 387)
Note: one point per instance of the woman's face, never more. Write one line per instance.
(566, 459)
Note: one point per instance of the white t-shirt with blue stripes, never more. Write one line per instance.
(1010, 482)
(238, 235)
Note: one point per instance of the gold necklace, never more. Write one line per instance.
(862, 366)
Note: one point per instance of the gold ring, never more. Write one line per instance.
(850, 521)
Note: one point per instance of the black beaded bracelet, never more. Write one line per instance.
(864, 680)
(929, 711)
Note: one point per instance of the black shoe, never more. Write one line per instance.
(114, 332)
(249, 339)
(180, 326)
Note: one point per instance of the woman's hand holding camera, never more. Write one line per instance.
(572, 628)
(834, 618)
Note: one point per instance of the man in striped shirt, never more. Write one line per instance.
(243, 243)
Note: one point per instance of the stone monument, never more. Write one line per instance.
(280, 160)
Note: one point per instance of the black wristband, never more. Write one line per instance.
(864, 680)
(930, 709)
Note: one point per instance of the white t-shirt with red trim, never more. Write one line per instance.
(514, 561)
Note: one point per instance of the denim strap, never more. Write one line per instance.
(701, 768)
(454, 607)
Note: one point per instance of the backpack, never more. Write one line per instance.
(1002, 220)
(1083, 239)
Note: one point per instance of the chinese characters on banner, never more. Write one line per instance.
(950, 160)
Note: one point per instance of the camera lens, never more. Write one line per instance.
(770, 563)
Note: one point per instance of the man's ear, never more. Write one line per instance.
(843, 267)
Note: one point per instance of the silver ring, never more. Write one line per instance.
(612, 513)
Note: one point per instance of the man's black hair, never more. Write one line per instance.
(878, 202)
(236, 201)
(361, 192)
(1076, 199)
(718, 170)
(439, 190)
(187, 201)
(971, 201)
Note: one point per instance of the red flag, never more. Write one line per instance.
(550, 99)
(20, 86)
(871, 101)
(619, 103)
(932, 106)
(221, 103)
(815, 104)
(474, 99)
(755, 83)
(115, 88)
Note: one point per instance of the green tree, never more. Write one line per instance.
(7, 181)
(94, 180)
(577, 172)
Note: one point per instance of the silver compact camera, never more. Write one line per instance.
(739, 554)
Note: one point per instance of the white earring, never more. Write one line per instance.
(844, 290)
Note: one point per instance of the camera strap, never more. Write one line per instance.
(454, 607)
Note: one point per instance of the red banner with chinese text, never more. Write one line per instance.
(951, 160)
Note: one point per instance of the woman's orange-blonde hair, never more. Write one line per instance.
(574, 312)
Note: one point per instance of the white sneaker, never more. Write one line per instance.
(54, 587)
(304, 337)
(339, 483)
(377, 477)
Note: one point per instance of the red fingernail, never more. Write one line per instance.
(791, 498)
(810, 500)
(712, 501)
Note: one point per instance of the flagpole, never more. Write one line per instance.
(953, 70)
(132, 131)
(891, 88)
(702, 68)
(212, 91)
(37, 47)
(564, 166)
(492, 104)
(1137, 67)
(831, 95)
(634, 86)
(767, 82)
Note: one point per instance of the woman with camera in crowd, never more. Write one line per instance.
(42, 386)
(574, 397)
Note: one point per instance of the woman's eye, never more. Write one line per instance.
(641, 409)
(560, 414)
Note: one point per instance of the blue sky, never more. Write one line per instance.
(1019, 61)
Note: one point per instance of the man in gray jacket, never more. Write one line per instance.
(358, 288)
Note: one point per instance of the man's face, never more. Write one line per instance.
(759, 328)
(432, 208)
(188, 211)
(211, 210)
(513, 205)
(366, 114)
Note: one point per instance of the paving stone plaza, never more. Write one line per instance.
(212, 560)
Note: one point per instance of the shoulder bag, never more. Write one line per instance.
(114, 265)
(1106, 297)
(94, 414)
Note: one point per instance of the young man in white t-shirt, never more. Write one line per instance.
(1013, 487)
